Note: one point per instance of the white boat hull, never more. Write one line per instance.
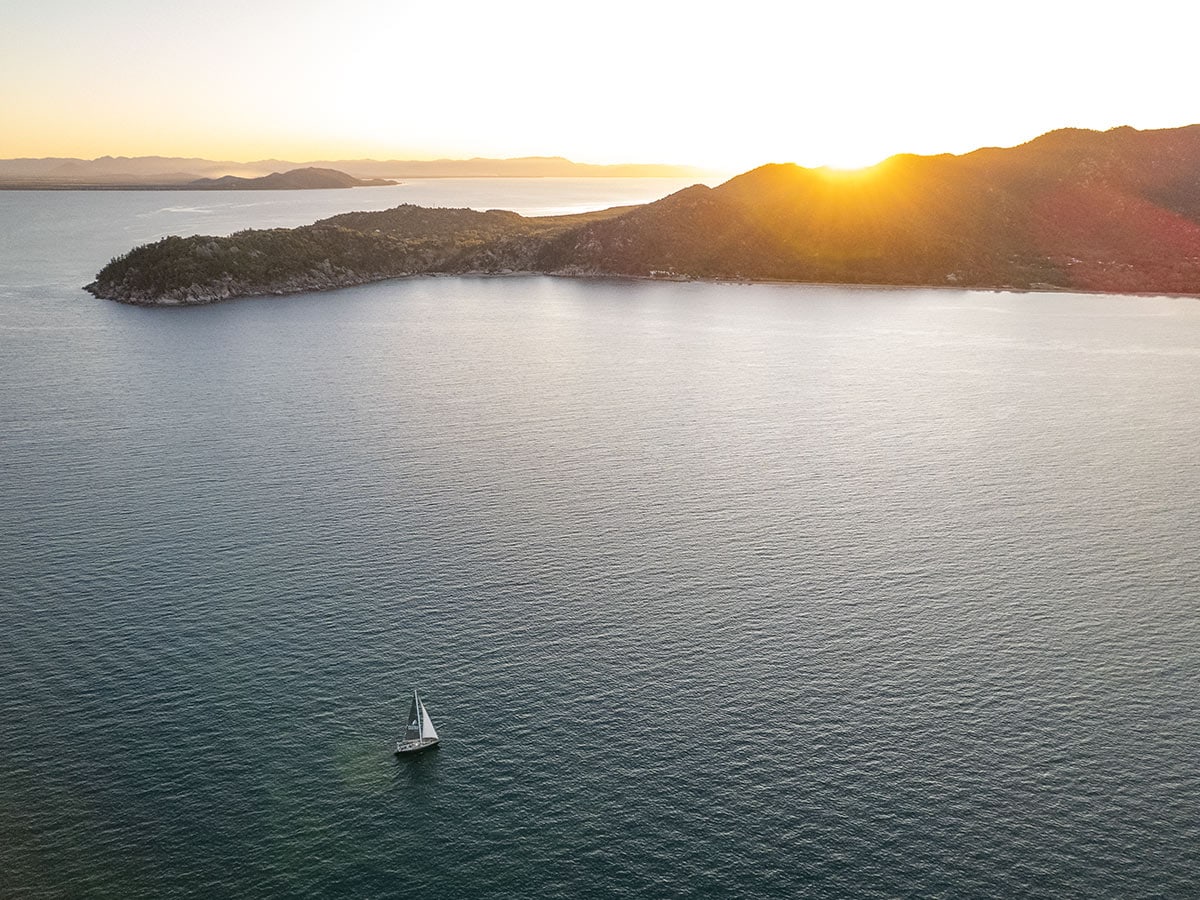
(414, 746)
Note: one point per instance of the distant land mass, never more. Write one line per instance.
(176, 173)
(1114, 211)
(295, 180)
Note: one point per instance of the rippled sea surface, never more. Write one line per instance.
(711, 590)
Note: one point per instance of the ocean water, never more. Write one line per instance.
(711, 590)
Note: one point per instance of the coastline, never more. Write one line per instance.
(315, 287)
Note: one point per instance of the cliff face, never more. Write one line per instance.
(1112, 211)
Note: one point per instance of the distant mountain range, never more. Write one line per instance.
(1115, 211)
(161, 171)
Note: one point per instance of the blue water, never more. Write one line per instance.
(711, 590)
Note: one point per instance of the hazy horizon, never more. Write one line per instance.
(845, 86)
(277, 158)
(546, 157)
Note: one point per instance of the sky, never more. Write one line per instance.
(722, 85)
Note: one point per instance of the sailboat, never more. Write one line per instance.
(420, 733)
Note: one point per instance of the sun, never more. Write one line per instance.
(847, 150)
(853, 160)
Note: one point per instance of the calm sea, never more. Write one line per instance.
(711, 590)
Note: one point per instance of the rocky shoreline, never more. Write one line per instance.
(232, 289)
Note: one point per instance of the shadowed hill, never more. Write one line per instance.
(1116, 211)
(1111, 211)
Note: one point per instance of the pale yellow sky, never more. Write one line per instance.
(727, 86)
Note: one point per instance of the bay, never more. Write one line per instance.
(754, 590)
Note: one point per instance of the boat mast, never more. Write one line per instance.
(420, 718)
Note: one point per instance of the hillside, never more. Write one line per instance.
(1114, 211)
(1118, 211)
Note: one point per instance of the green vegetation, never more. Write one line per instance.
(347, 249)
(206, 267)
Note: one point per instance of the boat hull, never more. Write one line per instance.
(405, 747)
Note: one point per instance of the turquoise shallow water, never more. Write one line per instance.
(710, 589)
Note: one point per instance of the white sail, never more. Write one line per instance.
(427, 730)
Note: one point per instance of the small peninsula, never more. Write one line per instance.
(1115, 211)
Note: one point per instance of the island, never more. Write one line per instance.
(307, 179)
(1114, 211)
